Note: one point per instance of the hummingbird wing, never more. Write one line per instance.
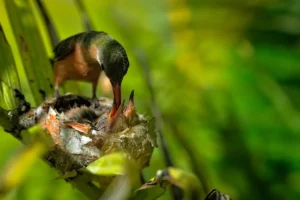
(67, 46)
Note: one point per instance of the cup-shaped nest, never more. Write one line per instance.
(81, 132)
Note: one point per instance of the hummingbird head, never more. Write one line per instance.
(114, 63)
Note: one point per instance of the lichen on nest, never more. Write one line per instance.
(81, 133)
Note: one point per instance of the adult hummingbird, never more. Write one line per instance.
(85, 55)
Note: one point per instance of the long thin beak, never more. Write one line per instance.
(117, 95)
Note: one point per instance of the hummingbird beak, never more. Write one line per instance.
(117, 95)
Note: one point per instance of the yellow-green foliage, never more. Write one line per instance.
(225, 77)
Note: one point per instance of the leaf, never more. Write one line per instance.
(153, 189)
(30, 47)
(69, 174)
(183, 179)
(108, 165)
(113, 164)
(148, 192)
(119, 189)
(64, 29)
(186, 181)
(41, 24)
(14, 175)
(9, 78)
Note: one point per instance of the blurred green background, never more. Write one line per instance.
(225, 74)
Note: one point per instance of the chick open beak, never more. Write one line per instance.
(130, 110)
(114, 114)
(113, 110)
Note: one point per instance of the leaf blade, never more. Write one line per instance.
(8, 74)
(108, 165)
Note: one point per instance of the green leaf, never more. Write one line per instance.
(186, 181)
(148, 192)
(30, 47)
(14, 175)
(108, 165)
(120, 189)
(9, 78)
(183, 179)
(116, 174)
(41, 24)
(66, 175)
(64, 29)
(153, 189)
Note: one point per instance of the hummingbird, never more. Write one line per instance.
(85, 55)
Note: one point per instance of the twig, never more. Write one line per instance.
(177, 193)
(197, 169)
(154, 108)
(85, 18)
(50, 27)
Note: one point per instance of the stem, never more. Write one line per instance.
(177, 193)
(84, 15)
(50, 27)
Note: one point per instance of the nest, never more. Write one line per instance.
(81, 132)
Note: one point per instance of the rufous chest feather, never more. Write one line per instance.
(85, 60)
(81, 64)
